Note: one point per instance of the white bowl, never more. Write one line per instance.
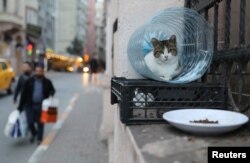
(227, 120)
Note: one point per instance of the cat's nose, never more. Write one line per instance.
(166, 57)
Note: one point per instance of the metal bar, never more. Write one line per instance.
(201, 5)
(216, 7)
(206, 14)
(115, 25)
(204, 78)
(227, 68)
(227, 24)
(240, 83)
(243, 94)
(242, 23)
(233, 54)
(115, 28)
(188, 3)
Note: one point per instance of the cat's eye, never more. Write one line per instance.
(158, 54)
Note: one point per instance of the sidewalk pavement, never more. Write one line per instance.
(78, 139)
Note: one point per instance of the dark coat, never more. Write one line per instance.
(93, 65)
(27, 93)
(20, 84)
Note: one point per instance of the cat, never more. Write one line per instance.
(163, 60)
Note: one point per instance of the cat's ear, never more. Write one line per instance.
(172, 39)
(155, 42)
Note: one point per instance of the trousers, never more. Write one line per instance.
(35, 126)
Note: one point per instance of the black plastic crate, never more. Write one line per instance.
(144, 101)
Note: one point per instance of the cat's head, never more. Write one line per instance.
(165, 50)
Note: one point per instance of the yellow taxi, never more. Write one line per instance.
(7, 76)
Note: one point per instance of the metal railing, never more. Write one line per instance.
(231, 62)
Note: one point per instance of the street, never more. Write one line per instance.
(67, 86)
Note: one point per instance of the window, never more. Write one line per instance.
(4, 5)
(31, 16)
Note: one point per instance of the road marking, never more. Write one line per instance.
(58, 125)
(36, 156)
(68, 109)
(47, 141)
(91, 90)
(64, 116)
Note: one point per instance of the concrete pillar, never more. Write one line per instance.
(112, 15)
(109, 42)
(131, 15)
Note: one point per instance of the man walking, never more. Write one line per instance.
(93, 70)
(27, 72)
(36, 89)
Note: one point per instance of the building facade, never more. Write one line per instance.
(100, 24)
(46, 20)
(18, 24)
(12, 25)
(91, 28)
(70, 17)
(32, 30)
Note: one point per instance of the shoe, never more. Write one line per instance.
(32, 139)
(39, 142)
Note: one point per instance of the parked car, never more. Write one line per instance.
(7, 76)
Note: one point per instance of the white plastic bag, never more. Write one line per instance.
(50, 102)
(23, 124)
(11, 122)
(16, 126)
